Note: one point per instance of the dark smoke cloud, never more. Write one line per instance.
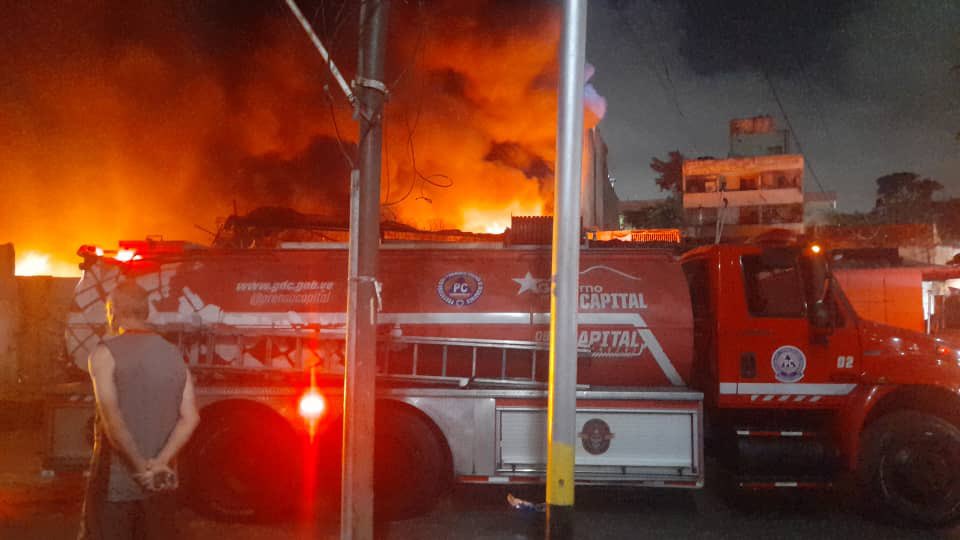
(719, 36)
(868, 86)
(311, 181)
(515, 156)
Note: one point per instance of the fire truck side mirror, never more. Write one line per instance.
(820, 318)
(819, 279)
(818, 309)
(821, 323)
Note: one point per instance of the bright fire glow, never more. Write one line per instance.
(815, 248)
(495, 228)
(33, 263)
(495, 221)
(312, 405)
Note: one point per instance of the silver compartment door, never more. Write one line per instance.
(641, 442)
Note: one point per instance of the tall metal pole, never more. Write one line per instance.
(562, 402)
(359, 382)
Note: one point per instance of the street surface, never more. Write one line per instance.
(37, 508)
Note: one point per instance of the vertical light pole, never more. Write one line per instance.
(562, 400)
(359, 397)
(9, 310)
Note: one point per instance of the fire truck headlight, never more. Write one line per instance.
(312, 405)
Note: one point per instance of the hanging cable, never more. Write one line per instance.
(796, 137)
(336, 129)
(417, 48)
(664, 79)
(386, 159)
(323, 51)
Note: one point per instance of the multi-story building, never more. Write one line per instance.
(760, 186)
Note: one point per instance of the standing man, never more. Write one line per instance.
(145, 414)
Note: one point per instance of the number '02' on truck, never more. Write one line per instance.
(756, 343)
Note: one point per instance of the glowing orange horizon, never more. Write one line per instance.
(496, 220)
(35, 263)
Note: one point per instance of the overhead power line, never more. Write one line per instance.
(322, 50)
(662, 71)
(817, 109)
(796, 137)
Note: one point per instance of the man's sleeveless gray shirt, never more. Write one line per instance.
(150, 377)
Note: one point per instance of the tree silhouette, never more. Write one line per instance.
(905, 197)
(668, 213)
(670, 172)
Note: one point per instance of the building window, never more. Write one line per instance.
(749, 215)
(700, 216)
(701, 184)
(749, 183)
(780, 179)
(783, 213)
(694, 184)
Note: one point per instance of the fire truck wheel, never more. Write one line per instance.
(411, 464)
(242, 465)
(910, 464)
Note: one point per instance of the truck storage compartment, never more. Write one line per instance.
(653, 439)
(69, 413)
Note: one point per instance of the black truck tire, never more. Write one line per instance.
(411, 464)
(243, 466)
(910, 465)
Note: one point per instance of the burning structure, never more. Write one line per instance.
(192, 109)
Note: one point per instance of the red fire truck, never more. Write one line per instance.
(748, 351)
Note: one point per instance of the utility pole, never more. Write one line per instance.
(359, 385)
(562, 399)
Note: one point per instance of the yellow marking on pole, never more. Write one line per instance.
(560, 474)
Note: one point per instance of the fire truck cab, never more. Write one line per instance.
(798, 389)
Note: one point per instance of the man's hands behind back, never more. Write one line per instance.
(158, 477)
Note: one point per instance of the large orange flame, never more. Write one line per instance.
(163, 127)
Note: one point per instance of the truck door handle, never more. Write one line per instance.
(755, 332)
(748, 365)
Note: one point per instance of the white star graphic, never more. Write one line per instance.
(528, 283)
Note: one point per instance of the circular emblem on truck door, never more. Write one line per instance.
(460, 288)
(788, 364)
(596, 436)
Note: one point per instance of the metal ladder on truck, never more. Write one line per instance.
(460, 362)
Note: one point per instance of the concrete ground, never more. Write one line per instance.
(35, 507)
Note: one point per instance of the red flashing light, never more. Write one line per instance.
(312, 405)
(88, 250)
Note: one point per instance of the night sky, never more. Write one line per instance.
(867, 85)
(123, 119)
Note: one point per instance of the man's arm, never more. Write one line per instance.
(101, 366)
(189, 418)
